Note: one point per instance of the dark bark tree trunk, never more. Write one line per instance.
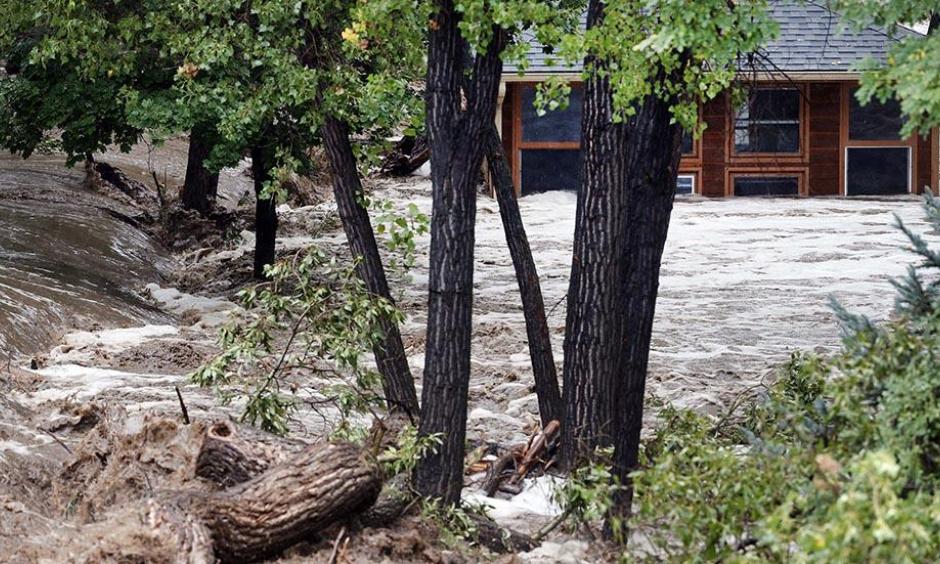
(390, 352)
(201, 185)
(593, 331)
(533, 305)
(319, 486)
(283, 496)
(456, 136)
(654, 149)
(265, 210)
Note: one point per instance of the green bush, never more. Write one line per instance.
(838, 461)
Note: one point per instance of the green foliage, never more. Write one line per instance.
(403, 457)
(398, 232)
(684, 52)
(314, 318)
(912, 72)
(838, 461)
(454, 523)
(587, 496)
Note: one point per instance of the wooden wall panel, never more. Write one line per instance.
(824, 123)
(924, 171)
(507, 126)
(714, 113)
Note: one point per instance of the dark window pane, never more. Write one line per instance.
(548, 169)
(688, 144)
(877, 171)
(766, 186)
(874, 121)
(557, 125)
(769, 122)
(685, 184)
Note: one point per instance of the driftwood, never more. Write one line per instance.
(508, 471)
(407, 156)
(277, 493)
(231, 455)
(318, 487)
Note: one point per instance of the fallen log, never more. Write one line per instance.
(407, 156)
(296, 492)
(232, 454)
(292, 501)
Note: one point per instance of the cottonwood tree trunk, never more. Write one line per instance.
(389, 352)
(654, 148)
(533, 305)
(456, 136)
(594, 330)
(319, 486)
(201, 185)
(262, 162)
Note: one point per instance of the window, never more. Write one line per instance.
(555, 125)
(766, 185)
(685, 184)
(544, 170)
(688, 143)
(874, 121)
(769, 122)
(878, 162)
(878, 171)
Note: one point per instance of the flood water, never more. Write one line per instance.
(65, 261)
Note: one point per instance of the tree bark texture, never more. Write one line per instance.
(654, 153)
(201, 185)
(594, 330)
(456, 136)
(290, 502)
(280, 493)
(265, 210)
(533, 305)
(390, 356)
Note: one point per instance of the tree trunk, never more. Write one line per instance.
(654, 149)
(201, 185)
(290, 502)
(265, 210)
(300, 495)
(594, 330)
(456, 136)
(533, 305)
(390, 355)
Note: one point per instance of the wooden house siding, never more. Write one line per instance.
(818, 168)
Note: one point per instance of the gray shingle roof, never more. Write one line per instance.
(812, 39)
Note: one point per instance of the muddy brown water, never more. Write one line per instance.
(66, 261)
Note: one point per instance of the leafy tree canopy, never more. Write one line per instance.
(912, 72)
(685, 52)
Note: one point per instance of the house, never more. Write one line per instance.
(801, 132)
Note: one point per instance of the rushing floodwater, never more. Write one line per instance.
(64, 260)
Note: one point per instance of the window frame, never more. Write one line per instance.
(910, 166)
(694, 177)
(519, 145)
(798, 156)
(846, 143)
(794, 172)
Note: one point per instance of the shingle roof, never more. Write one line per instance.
(812, 39)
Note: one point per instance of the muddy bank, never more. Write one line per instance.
(68, 257)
